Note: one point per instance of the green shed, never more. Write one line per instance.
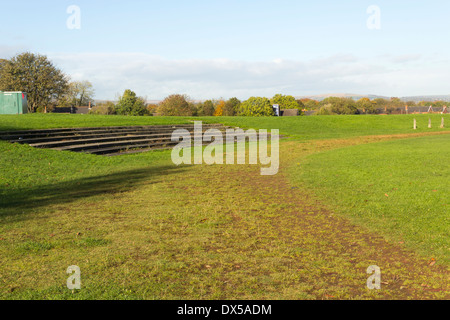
(13, 102)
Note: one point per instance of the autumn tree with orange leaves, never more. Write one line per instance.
(219, 109)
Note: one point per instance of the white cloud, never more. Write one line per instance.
(156, 77)
(406, 58)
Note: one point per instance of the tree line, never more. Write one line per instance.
(182, 105)
(340, 105)
(49, 88)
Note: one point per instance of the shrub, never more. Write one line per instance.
(152, 108)
(131, 105)
(231, 107)
(285, 102)
(105, 108)
(206, 108)
(367, 105)
(255, 107)
(175, 105)
(340, 105)
(219, 109)
(325, 110)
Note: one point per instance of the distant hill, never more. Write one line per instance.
(427, 98)
(320, 97)
(99, 101)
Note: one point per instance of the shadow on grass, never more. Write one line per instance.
(19, 202)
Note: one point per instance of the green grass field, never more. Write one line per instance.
(140, 227)
(303, 128)
(45, 121)
(397, 188)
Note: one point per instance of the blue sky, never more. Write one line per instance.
(214, 49)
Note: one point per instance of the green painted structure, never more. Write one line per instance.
(13, 102)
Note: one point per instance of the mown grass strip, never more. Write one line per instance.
(397, 188)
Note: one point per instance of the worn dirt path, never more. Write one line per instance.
(329, 252)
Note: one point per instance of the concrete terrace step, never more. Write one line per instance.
(88, 139)
(117, 150)
(138, 148)
(106, 128)
(166, 140)
(120, 150)
(87, 135)
(17, 136)
(105, 140)
(43, 140)
(123, 143)
(54, 141)
(92, 139)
